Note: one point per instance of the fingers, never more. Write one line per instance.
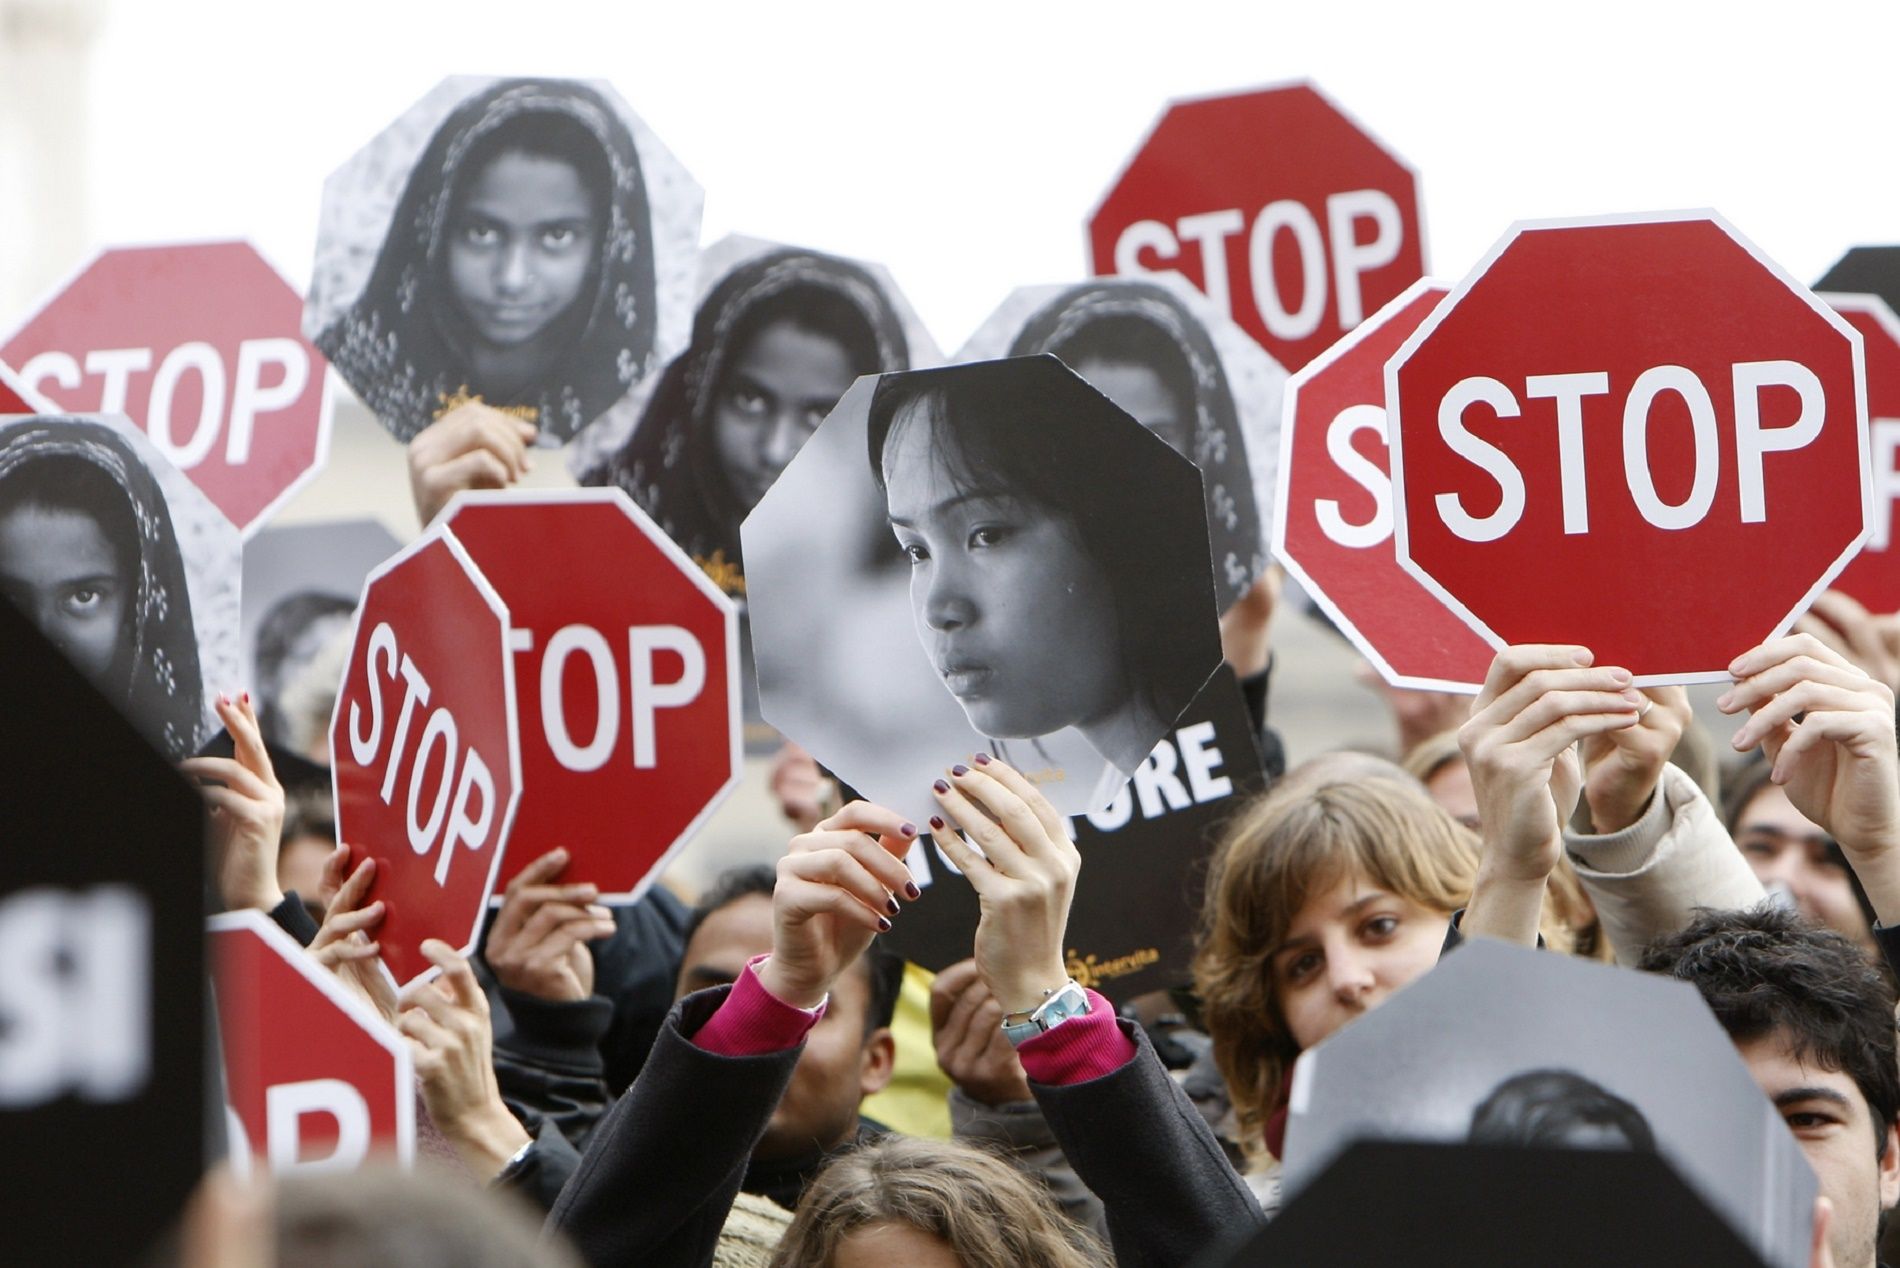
(478, 470)
(882, 856)
(1780, 675)
(1761, 657)
(482, 428)
(247, 737)
(1805, 698)
(1514, 662)
(340, 924)
(1533, 686)
(345, 951)
(948, 988)
(232, 774)
(799, 896)
(1014, 780)
(896, 831)
(1553, 706)
(528, 888)
(351, 892)
(456, 976)
(564, 923)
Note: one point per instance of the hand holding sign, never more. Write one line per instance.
(344, 944)
(473, 446)
(538, 943)
(836, 889)
(451, 1041)
(1537, 703)
(1023, 865)
(246, 805)
(1829, 730)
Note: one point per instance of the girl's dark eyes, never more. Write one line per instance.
(1381, 926)
(480, 233)
(989, 535)
(914, 552)
(749, 400)
(1301, 966)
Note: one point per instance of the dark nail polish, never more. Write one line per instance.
(981, 759)
(959, 770)
(890, 905)
(883, 925)
(911, 891)
(936, 823)
(941, 787)
(907, 829)
(247, 697)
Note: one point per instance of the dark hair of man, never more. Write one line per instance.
(884, 971)
(1544, 1108)
(1767, 972)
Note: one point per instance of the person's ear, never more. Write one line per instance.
(879, 1062)
(1890, 1169)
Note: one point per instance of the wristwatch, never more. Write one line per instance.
(1066, 1001)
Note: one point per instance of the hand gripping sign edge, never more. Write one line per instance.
(729, 619)
(1283, 491)
(500, 610)
(372, 1023)
(319, 365)
(1401, 536)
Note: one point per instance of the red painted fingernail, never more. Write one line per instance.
(907, 829)
(936, 823)
(890, 905)
(911, 891)
(981, 759)
(883, 925)
(941, 787)
(247, 697)
(959, 770)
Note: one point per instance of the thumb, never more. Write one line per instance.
(1819, 1255)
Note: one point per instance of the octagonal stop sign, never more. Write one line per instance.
(1333, 516)
(314, 1080)
(200, 345)
(1635, 434)
(16, 397)
(1873, 576)
(422, 746)
(1280, 207)
(628, 673)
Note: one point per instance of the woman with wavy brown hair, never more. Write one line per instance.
(903, 1200)
(1326, 896)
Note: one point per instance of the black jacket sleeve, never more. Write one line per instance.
(540, 1173)
(661, 1171)
(1136, 1140)
(295, 919)
(548, 1061)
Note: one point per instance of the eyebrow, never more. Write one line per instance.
(1799, 1095)
(977, 495)
(1356, 905)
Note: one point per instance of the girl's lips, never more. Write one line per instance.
(965, 679)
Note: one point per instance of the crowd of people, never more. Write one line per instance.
(684, 1080)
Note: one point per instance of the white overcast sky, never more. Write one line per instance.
(963, 143)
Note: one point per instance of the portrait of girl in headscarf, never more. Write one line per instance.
(1141, 347)
(518, 269)
(775, 344)
(88, 552)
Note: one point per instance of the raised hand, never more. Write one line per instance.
(1866, 639)
(538, 943)
(837, 887)
(1022, 864)
(343, 943)
(1622, 767)
(473, 446)
(1538, 701)
(1837, 762)
(451, 1040)
(246, 805)
(966, 1025)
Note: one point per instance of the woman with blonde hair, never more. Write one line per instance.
(934, 1204)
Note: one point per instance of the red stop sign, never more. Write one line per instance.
(314, 1080)
(1278, 205)
(422, 746)
(201, 345)
(1637, 434)
(627, 668)
(1333, 527)
(1873, 576)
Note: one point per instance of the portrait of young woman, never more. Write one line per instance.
(520, 264)
(91, 550)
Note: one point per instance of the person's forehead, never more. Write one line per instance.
(1771, 809)
(733, 934)
(539, 183)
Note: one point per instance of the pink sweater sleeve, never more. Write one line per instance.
(1078, 1050)
(752, 1021)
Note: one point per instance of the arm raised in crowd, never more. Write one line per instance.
(246, 811)
(446, 1023)
(473, 446)
(1129, 1131)
(661, 1170)
(1538, 701)
(1828, 728)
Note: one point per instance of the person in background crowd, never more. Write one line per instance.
(1791, 856)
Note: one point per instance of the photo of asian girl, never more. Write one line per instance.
(775, 344)
(1055, 583)
(89, 552)
(518, 268)
(1140, 345)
